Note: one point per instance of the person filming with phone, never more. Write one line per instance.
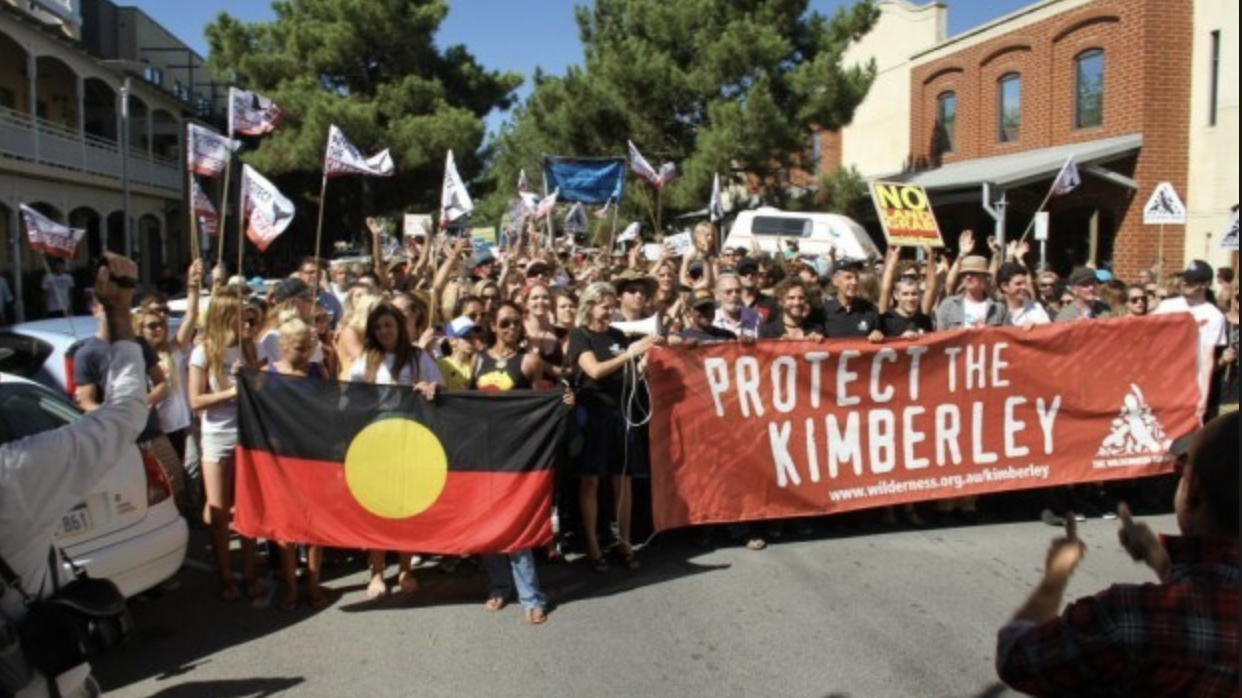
(1176, 637)
(45, 475)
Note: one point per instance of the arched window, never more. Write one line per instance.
(1009, 107)
(1089, 89)
(946, 123)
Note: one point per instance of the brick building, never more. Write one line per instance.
(1126, 86)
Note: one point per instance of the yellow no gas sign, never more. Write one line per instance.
(906, 214)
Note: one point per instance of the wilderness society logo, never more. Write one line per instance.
(1136, 437)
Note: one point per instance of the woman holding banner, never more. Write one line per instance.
(213, 393)
(615, 439)
(389, 358)
(501, 368)
(297, 345)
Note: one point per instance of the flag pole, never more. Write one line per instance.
(241, 240)
(323, 193)
(60, 298)
(194, 251)
(224, 197)
(612, 238)
(1031, 225)
(659, 211)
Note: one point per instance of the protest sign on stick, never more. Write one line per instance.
(784, 429)
(905, 213)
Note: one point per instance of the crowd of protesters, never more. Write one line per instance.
(443, 314)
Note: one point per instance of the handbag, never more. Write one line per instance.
(78, 621)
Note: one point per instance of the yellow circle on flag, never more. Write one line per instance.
(396, 468)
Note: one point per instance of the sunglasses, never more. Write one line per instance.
(635, 289)
(323, 318)
(508, 324)
(153, 326)
(1137, 299)
(749, 272)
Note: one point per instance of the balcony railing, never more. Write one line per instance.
(44, 142)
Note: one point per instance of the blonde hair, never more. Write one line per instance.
(227, 308)
(361, 307)
(591, 297)
(292, 328)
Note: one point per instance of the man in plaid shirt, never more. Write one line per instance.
(1176, 638)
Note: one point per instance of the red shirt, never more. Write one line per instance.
(1176, 639)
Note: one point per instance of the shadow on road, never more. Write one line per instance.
(562, 582)
(996, 690)
(237, 688)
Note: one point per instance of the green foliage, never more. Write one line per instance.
(728, 86)
(844, 191)
(371, 67)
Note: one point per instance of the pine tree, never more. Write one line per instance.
(729, 86)
(373, 68)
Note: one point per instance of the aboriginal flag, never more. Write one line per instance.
(355, 465)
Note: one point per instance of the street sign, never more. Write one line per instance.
(1041, 226)
(1164, 207)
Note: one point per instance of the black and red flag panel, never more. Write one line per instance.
(354, 465)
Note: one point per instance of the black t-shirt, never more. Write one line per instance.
(859, 320)
(766, 306)
(90, 367)
(893, 324)
(1229, 376)
(604, 346)
(776, 328)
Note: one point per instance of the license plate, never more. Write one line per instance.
(75, 523)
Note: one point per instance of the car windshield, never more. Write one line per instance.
(785, 227)
(26, 410)
(22, 355)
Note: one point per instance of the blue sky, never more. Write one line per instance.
(502, 34)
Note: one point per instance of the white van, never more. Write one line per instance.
(814, 233)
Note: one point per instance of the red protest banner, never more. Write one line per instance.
(781, 429)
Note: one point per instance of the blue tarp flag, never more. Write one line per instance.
(587, 180)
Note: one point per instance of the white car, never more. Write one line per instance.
(128, 529)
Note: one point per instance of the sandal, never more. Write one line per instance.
(377, 588)
(627, 558)
(536, 616)
(408, 582)
(756, 543)
(495, 603)
(289, 601)
(599, 565)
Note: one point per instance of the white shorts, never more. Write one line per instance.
(218, 446)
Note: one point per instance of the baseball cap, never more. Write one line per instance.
(459, 327)
(291, 288)
(748, 265)
(1082, 276)
(1197, 272)
(1103, 275)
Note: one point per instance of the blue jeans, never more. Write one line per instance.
(519, 571)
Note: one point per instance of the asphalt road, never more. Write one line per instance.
(900, 614)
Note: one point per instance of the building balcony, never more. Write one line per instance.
(35, 140)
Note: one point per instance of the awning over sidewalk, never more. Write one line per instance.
(1009, 171)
